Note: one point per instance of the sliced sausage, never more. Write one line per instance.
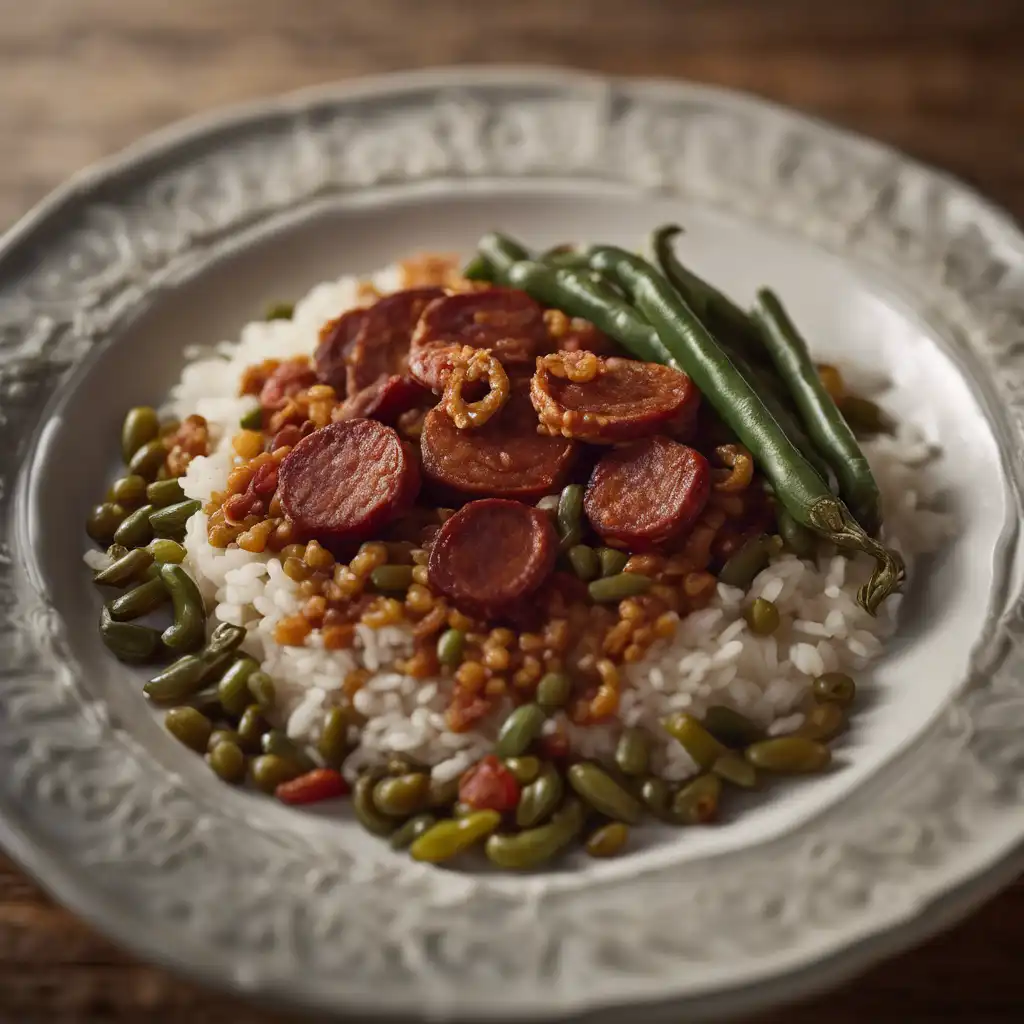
(382, 345)
(491, 555)
(505, 458)
(286, 380)
(624, 398)
(337, 337)
(504, 320)
(645, 493)
(347, 480)
(385, 399)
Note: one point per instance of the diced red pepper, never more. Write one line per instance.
(319, 784)
(489, 786)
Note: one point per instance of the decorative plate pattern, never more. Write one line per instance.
(181, 879)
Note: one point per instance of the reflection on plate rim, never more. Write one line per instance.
(726, 150)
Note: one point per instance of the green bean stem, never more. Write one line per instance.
(824, 422)
(796, 483)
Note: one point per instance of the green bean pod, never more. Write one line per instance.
(697, 802)
(742, 566)
(595, 786)
(733, 768)
(789, 755)
(148, 460)
(128, 491)
(553, 690)
(584, 561)
(519, 730)
(797, 485)
(402, 795)
(691, 735)
(278, 743)
(612, 589)
(166, 551)
(103, 521)
(403, 837)
(139, 601)
(823, 722)
(270, 770)
(608, 841)
(633, 752)
(656, 797)
(128, 641)
(367, 815)
(447, 839)
(124, 570)
(522, 851)
(612, 560)
(824, 422)
(141, 425)
(161, 493)
(538, 800)
(188, 631)
(569, 517)
(263, 690)
(188, 675)
(233, 685)
(170, 521)
(730, 727)
(796, 537)
(392, 579)
(449, 647)
(135, 529)
(333, 743)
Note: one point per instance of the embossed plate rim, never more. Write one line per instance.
(775, 978)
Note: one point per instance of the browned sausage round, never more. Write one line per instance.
(336, 340)
(346, 480)
(491, 554)
(288, 379)
(624, 398)
(647, 492)
(506, 321)
(505, 458)
(385, 399)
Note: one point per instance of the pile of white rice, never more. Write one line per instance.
(713, 658)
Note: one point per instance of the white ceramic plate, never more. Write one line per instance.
(891, 266)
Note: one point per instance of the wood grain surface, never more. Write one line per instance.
(81, 78)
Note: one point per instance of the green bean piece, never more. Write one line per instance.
(462, 810)
(477, 270)
(549, 506)
(227, 761)
(188, 631)
(612, 561)
(400, 552)
(128, 491)
(598, 789)
(269, 771)
(135, 530)
(447, 839)
(220, 735)
(554, 690)
(366, 811)
(743, 565)
(797, 538)
(702, 747)
(402, 795)
(824, 422)
(403, 837)
(116, 551)
(179, 680)
(278, 743)
(233, 685)
(126, 569)
(225, 638)
(526, 850)
(190, 727)
(161, 493)
(795, 482)
(263, 691)
(138, 601)
(128, 641)
(730, 727)
(170, 521)
(733, 768)
(103, 521)
(789, 755)
(763, 617)
(539, 800)
(392, 579)
(697, 802)
(519, 730)
(251, 727)
(584, 561)
(633, 752)
(524, 769)
(834, 687)
(612, 589)
(656, 796)
(443, 794)
(149, 460)
(280, 311)
(608, 840)
(569, 518)
(252, 420)
(166, 552)
(141, 425)
(864, 417)
(333, 743)
(449, 647)
(823, 722)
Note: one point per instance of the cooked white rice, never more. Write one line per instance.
(712, 659)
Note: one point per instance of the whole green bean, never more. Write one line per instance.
(522, 851)
(128, 641)
(824, 422)
(188, 631)
(139, 601)
(797, 485)
(612, 589)
(188, 675)
(125, 569)
(135, 529)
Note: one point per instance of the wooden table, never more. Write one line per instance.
(81, 78)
